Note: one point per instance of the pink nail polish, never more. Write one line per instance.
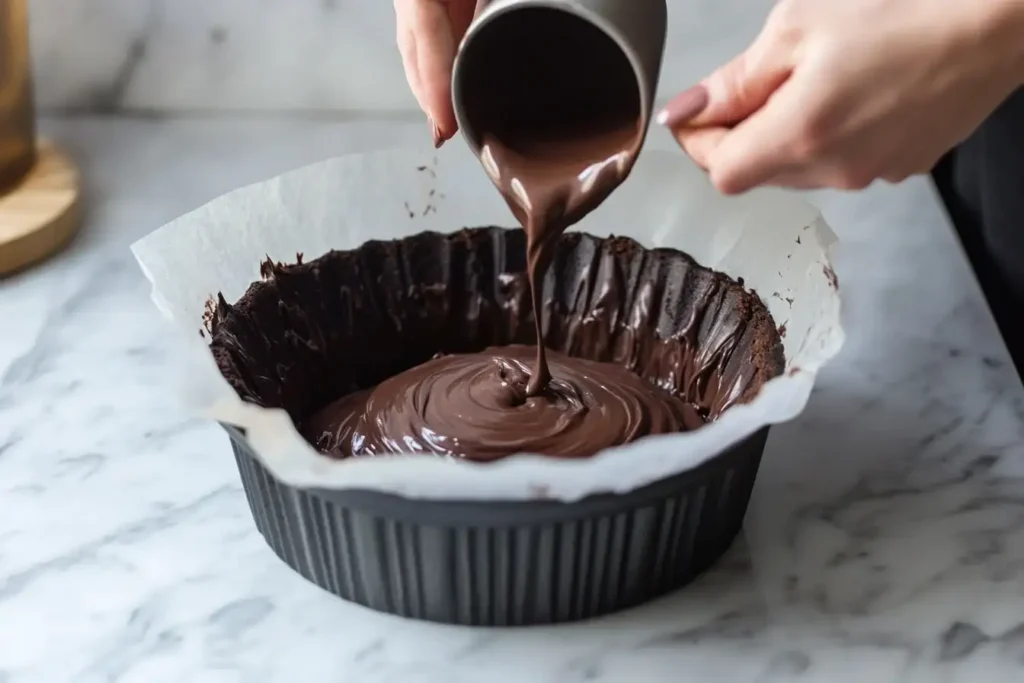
(684, 107)
(436, 133)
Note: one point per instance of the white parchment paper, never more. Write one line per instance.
(777, 244)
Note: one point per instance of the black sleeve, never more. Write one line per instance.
(982, 186)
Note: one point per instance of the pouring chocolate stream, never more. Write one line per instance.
(550, 184)
(560, 127)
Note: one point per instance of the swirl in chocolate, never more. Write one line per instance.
(479, 405)
(668, 344)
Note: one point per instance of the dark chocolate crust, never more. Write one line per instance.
(312, 332)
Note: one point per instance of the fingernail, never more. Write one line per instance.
(436, 133)
(684, 107)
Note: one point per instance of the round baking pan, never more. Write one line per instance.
(505, 563)
(343, 322)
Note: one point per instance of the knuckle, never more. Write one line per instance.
(721, 183)
(735, 82)
(780, 15)
(698, 156)
(724, 178)
(854, 178)
(728, 82)
(805, 148)
(783, 19)
(812, 138)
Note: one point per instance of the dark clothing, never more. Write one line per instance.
(982, 185)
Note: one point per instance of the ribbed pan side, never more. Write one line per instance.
(505, 563)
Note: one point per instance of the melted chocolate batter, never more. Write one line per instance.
(479, 404)
(641, 342)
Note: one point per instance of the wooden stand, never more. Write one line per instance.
(40, 214)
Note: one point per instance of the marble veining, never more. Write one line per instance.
(884, 544)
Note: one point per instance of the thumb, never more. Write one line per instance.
(735, 90)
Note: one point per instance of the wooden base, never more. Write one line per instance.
(39, 215)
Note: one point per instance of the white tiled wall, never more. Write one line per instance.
(292, 55)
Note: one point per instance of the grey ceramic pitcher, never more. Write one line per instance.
(637, 27)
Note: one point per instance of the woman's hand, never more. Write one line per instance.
(429, 32)
(838, 94)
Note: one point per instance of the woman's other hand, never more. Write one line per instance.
(838, 94)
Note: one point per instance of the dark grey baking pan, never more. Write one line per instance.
(301, 338)
(505, 563)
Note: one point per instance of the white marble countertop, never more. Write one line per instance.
(885, 542)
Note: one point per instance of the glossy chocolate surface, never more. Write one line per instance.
(424, 345)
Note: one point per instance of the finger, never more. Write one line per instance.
(438, 57)
(428, 41)
(460, 16)
(682, 108)
(700, 143)
(743, 85)
(461, 13)
(762, 147)
(405, 37)
(735, 90)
